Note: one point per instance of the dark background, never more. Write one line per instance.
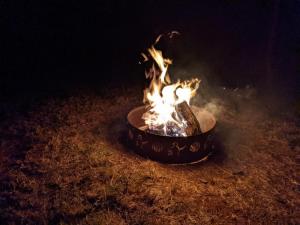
(51, 46)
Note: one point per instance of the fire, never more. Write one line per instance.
(162, 96)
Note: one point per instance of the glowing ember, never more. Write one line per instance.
(162, 96)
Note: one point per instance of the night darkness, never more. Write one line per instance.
(50, 45)
(70, 73)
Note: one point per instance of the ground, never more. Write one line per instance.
(63, 162)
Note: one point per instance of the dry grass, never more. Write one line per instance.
(63, 163)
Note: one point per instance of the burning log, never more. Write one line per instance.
(189, 125)
(192, 124)
(171, 129)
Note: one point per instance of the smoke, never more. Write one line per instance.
(234, 92)
(214, 107)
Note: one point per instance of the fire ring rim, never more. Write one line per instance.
(167, 149)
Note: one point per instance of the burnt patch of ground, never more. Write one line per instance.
(62, 162)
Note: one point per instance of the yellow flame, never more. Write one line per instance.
(161, 97)
(161, 62)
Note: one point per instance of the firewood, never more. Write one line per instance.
(192, 126)
(186, 113)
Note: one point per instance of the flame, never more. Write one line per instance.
(162, 96)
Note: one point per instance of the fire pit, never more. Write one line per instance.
(167, 128)
(168, 149)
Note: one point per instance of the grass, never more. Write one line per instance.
(62, 162)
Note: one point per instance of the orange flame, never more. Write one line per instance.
(161, 97)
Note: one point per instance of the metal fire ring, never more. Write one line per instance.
(168, 149)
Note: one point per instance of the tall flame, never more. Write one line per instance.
(162, 96)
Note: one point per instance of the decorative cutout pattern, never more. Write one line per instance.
(195, 147)
(157, 147)
(176, 146)
(140, 142)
